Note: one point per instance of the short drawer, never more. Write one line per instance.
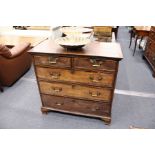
(54, 61)
(152, 35)
(76, 91)
(76, 105)
(94, 63)
(93, 78)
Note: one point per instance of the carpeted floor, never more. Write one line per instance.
(133, 105)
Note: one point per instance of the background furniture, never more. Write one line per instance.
(32, 27)
(20, 27)
(138, 32)
(14, 65)
(12, 40)
(1, 89)
(78, 82)
(115, 30)
(39, 28)
(103, 33)
(150, 50)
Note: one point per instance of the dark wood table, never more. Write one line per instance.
(139, 32)
(1, 89)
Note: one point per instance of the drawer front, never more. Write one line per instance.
(76, 91)
(97, 64)
(54, 61)
(152, 35)
(92, 78)
(75, 105)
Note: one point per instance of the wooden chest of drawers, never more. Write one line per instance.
(150, 49)
(78, 82)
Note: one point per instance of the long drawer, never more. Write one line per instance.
(53, 61)
(92, 78)
(75, 105)
(76, 91)
(95, 64)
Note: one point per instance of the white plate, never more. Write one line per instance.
(75, 30)
(72, 42)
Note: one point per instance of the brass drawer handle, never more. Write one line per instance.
(94, 94)
(95, 63)
(99, 78)
(59, 104)
(57, 89)
(52, 60)
(55, 75)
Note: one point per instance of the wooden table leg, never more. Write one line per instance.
(116, 32)
(135, 45)
(140, 42)
(131, 36)
(1, 88)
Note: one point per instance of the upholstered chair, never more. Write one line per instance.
(14, 62)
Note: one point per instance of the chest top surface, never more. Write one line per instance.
(96, 49)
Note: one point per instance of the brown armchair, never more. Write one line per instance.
(14, 63)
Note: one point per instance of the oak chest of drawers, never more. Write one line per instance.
(150, 49)
(78, 82)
